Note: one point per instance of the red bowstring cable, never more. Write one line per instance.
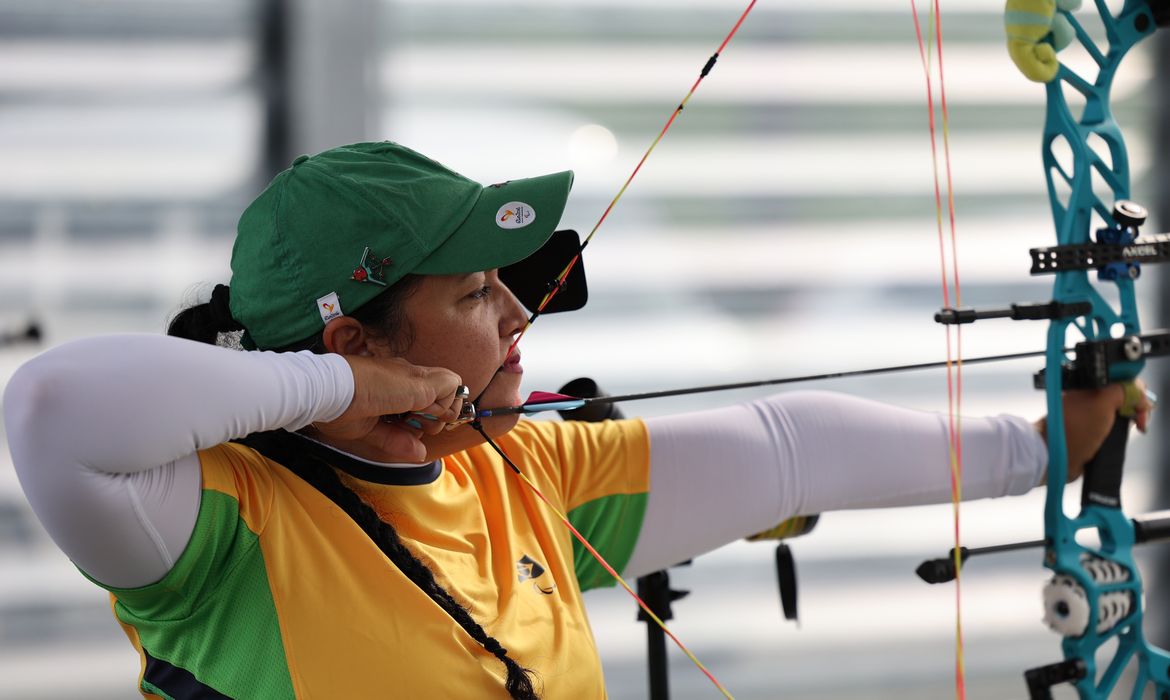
(560, 280)
(605, 564)
(955, 365)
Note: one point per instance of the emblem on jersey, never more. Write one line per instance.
(371, 268)
(527, 569)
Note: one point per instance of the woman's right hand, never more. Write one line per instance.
(385, 386)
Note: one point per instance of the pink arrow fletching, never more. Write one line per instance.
(547, 397)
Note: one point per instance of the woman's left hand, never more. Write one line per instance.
(1089, 416)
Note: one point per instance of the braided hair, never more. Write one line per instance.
(385, 316)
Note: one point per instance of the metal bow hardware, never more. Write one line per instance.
(1094, 597)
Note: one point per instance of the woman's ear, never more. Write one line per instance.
(345, 335)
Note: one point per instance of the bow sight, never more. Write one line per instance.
(1116, 253)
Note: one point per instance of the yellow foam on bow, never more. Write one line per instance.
(1027, 23)
(792, 527)
(1036, 31)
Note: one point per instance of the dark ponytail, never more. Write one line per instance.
(204, 322)
(385, 316)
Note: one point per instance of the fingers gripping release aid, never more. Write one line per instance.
(467, 412)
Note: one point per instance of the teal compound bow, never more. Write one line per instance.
(1095, 595)
(1094, 598)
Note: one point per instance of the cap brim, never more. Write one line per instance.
(496, 233)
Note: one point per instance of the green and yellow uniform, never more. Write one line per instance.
(280, 594)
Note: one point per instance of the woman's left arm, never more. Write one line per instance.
(719, 475)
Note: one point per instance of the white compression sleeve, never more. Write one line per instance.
(720, 475)
(103, 433)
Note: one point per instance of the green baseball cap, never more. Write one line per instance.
(336, 229)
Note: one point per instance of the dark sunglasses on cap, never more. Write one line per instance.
(533, 277)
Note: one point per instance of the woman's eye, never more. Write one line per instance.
(482, 293)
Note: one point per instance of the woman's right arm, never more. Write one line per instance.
(104, 431)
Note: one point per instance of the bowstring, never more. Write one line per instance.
(555, 288)
(926, 46)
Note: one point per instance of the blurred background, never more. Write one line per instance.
(786, 225)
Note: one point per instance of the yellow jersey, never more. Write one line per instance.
(279, 594)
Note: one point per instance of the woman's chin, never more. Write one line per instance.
(503, 391)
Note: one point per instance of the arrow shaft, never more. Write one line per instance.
(538, 407)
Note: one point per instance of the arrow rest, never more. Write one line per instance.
(1098, 363)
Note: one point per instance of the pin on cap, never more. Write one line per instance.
(371, 268)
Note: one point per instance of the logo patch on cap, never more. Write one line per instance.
(329, 307)
(515, 215)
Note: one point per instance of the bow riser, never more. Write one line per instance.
(1104, 579)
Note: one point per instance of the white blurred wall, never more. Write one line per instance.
(786, 225)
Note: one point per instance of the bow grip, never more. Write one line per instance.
(1103, 472)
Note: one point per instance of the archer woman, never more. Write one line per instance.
(295, 520)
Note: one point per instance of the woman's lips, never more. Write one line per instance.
(512, 364)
